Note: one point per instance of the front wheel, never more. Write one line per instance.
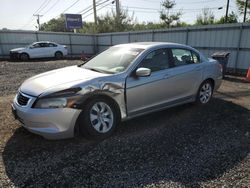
(99, 119)
(205, 92)
(24, 57)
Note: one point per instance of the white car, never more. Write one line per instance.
(41, 49)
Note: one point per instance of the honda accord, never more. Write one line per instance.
(122, 82)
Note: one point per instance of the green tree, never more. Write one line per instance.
(147, 26)
(205, 18)
(241, 6)
(232, 18)
(111, 23)
(166, 16)
(55, 24)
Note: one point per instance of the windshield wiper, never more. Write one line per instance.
(98, 70)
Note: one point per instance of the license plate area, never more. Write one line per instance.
(14, 113)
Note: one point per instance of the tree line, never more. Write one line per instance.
(110, 22)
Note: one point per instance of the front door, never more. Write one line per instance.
(147, 93)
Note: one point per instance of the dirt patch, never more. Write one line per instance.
(189, 145)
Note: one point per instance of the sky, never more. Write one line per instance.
(18, 14)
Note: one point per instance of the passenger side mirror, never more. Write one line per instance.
(143, 72)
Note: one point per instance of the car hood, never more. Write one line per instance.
(17, 49)
(58, 79)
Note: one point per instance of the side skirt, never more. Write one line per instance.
(160, 107)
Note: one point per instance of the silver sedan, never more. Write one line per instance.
(123, 82)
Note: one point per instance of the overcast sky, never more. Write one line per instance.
(18, 14)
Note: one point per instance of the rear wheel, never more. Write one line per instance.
(58, 55)
(205, 92)
(24, 57)
(98, 119)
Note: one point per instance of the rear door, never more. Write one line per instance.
(52, 49)
(187, 72)
(46, 51)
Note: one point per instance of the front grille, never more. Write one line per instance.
(22, 100)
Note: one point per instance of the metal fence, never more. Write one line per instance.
(234, 38)
(76, 42)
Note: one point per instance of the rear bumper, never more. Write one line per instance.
(217, 83)
(50, 123)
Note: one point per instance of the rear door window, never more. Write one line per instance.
(52, 45)
(184, 57)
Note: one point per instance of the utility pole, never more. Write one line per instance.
(245, 12)
(117, 3)
(227, 11)
(38, 20)
(94, 8)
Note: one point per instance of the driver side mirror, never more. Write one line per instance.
(143, 72)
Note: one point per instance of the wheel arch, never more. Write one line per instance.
(24, 53)
(91, 97)
(210, 79)
(58, 51)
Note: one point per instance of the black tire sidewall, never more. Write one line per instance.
(85, 126)
(58, 56)
(26, 57)
(198, 93)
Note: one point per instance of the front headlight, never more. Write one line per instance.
(51, 103)
(62, 99)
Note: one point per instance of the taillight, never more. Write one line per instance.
(221, 67)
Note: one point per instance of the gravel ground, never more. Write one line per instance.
(185, 146)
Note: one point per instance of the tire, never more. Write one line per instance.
(24, 57)
(58, 55)
(205, 92)
(98, 119)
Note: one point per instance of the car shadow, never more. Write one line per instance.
(185, 145)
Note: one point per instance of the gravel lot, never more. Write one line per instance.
(185, 146)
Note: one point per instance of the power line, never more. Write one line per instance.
(91, 8)
(198, 2)
(192, 2)
(42, 6)
(67, 8)
(71, 6)
(98, 10)
(51, 7)
(143, 8)
(153, 10)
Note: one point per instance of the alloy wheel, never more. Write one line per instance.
(101, 117)
(205, 93)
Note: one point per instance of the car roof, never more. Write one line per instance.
(146, 45)
(44, 42)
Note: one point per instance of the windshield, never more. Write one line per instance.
(113, 60)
